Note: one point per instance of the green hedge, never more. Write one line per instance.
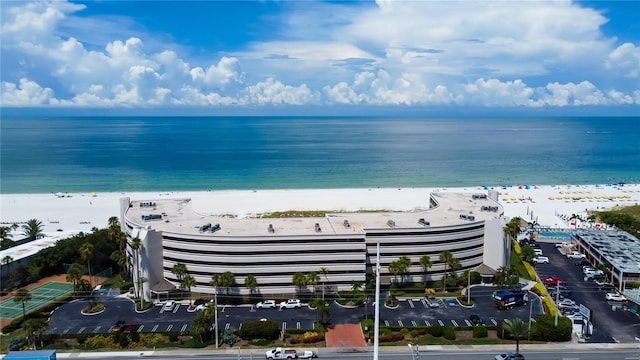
(259, 330)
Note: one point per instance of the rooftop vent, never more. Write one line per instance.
(478, 196)
(391, 223)
(215, 228)
(423, 222)
(467, 217)
(271, 229)
(318, 229)
(346, 224)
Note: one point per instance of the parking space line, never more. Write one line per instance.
(169, 327)
(81, 330)
(223, 308)
(414, 323)
(424, 303)
(176, 309)
(386, 322)
(400, 323)
(298, 325)
(184, 327)
(140, 328)
(410, 303)
(468, 322)
(97, 329)
(427, 323)
(454, 323)
(65, 331)
(253, 309)
(228, 325)
(495, 323)
(155, 327)
(284, 326)
(440, 322)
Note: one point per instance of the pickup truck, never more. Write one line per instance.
(280, 353)
(576, 255)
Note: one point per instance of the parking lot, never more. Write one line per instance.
(67, 319)
(611, 323)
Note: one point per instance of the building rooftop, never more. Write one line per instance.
(32, 247)
(178, 216)
(619, 248)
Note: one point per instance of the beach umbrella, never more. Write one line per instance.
(551, 198)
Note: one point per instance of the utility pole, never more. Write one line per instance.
(557, 299)
(215, 314)
(376, 325)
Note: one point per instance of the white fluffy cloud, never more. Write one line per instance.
(492, 54)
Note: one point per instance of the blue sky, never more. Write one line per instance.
(198, 57)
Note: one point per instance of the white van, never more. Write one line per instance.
(168, 306)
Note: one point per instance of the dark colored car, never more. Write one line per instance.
(475, 320)
(118, 326)
(582, 263)
(606, 288)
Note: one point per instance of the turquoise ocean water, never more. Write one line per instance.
(82, 154)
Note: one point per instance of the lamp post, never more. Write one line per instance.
(415, 355)
(531, 313)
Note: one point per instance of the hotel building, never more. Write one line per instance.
(469, 225)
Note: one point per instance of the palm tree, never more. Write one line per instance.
(119, 258)
(299, 280)
(22, 296)
(357, 286)
(512, 229)
(136, 245)
(34, 329)
(404, 263)
(505, 275)
(179, 270)
(188, 282)
(394, 268)
(216, 282)
(518, 329)
(32, 228)
(450, 263)
(324, 271)
(6, 260)
(312, 279)
(323, 311)
(228, 280)
(425, 264)
(74, 274)
(251, 283)
(86, 250)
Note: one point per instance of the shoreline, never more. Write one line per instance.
(547, 204)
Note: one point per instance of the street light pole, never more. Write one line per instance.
(531, 313)
(413, 355)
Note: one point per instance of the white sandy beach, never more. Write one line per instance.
(82, 211)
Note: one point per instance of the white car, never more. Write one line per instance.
(541, 260)
(537, 252)
(267, 304)
(566, 303)
(576, 255)
(615, 297)
(290, 304)
(168, 306)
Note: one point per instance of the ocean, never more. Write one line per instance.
(84, 154)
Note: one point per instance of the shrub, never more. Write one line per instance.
(229, 336)
(419, 332)
(151, 339)
(93, 309)
(480, 332)
(449, 333)
(260, 342)
(173, 336)
(17, 343)
(126, 286)
(259, 330)
(436, 330)
(430, 291)
(392, 301)
(544, 328)
(391, 337)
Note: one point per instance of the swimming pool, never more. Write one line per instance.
(555, 235)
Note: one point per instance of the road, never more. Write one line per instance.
(549, 354)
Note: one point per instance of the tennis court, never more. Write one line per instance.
(40, 296)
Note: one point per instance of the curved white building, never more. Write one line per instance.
(272, 250)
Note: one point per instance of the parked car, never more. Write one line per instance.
(541, 260)
(267, 304)
(168, 306)
(475, 320)
(563, 244)
(566, 303)
(606, 288)
(537, 252)
(615, 297)
(576, 255)
(509, 356)
(583, 263)
(554, 280)
(290, 304)
(118, 326)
